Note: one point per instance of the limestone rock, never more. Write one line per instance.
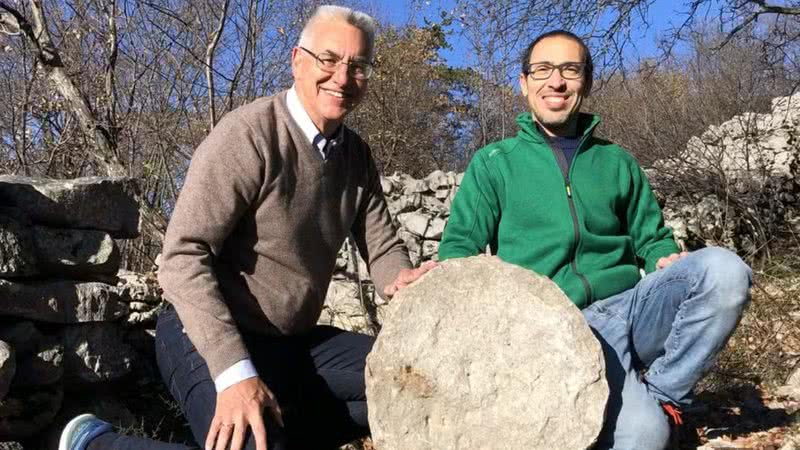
(95, 352)
(76, 253)
(7, 367)
(792, 387)
(343, 308)
(106, 204)
(481, 354)
(17, 257)
(26, 412)
(60, 301)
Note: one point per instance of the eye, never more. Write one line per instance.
(328, 61)
(571, 70)
(358, 68)
(541, 69)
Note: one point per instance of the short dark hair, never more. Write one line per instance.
(588, 74)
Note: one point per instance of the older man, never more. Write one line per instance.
(578, 209)
(269, 198)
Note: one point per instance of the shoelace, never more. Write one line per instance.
(673, 412)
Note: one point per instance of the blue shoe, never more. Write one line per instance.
(80, 431)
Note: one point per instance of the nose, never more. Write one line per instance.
(342, 73)
(556, 80)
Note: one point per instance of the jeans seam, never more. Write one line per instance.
(680, 316)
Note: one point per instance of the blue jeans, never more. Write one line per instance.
(318, 379)
(660, 337)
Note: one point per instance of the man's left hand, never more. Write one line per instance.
(667, 260)
(408, 276)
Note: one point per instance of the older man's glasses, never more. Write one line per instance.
(568, 70)
(360, 70)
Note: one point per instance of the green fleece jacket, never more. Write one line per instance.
(590, 231)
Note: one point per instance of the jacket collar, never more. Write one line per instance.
(530, 132)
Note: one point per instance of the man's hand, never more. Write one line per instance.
(238, 407)
(408, 276)
(667, 260)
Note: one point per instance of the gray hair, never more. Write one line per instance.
(358, 19)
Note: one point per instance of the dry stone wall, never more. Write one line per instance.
(744, 186)
(65, 316)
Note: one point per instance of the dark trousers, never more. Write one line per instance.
(318, 379)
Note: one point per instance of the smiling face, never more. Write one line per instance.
(329, 97)
(555, 102)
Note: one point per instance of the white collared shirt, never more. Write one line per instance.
(311, 131)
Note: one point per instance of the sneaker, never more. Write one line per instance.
(673, 413)
(80, 431)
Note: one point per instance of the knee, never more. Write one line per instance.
(727, 275)
(650, 432)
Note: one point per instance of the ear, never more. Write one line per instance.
(523, 84)
(295, 61)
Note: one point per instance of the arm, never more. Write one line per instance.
(376, 237)
(474, 213)
(224, 178)
(652, 240)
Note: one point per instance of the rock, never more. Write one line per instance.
(343, 308)
(95, 352)
(96, 203)
(61, 301)
(44, 367)
(137, 287)
(415, 222)
(76, 253)
(792, 387)
(26, 412)
(23, 336)
(461, 363)
(17, 258)
(8, 367)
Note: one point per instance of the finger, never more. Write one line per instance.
(275, 409)
(224, 436)
(428, 265)
(212, 434)
(259, 433)
(237, 441)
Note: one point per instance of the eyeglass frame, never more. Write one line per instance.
(560, 67)
(368, 66)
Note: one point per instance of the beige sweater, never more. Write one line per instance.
(252, 242)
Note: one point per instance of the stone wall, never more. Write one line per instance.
(66, 319)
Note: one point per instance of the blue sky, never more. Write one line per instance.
(662, 15)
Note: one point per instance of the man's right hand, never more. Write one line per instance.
(238, 407)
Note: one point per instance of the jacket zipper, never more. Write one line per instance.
(563, 164)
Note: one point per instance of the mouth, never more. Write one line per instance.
(555, 101)
(336, 94)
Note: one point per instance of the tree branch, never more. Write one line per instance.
(212, 46)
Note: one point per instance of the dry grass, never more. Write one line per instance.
(765, 349)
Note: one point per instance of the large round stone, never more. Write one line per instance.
(481, 354)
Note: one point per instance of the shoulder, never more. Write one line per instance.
(612, 150)
(498, 150)
(258, 112)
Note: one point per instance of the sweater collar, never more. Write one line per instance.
(311, 132)
(529, 131)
